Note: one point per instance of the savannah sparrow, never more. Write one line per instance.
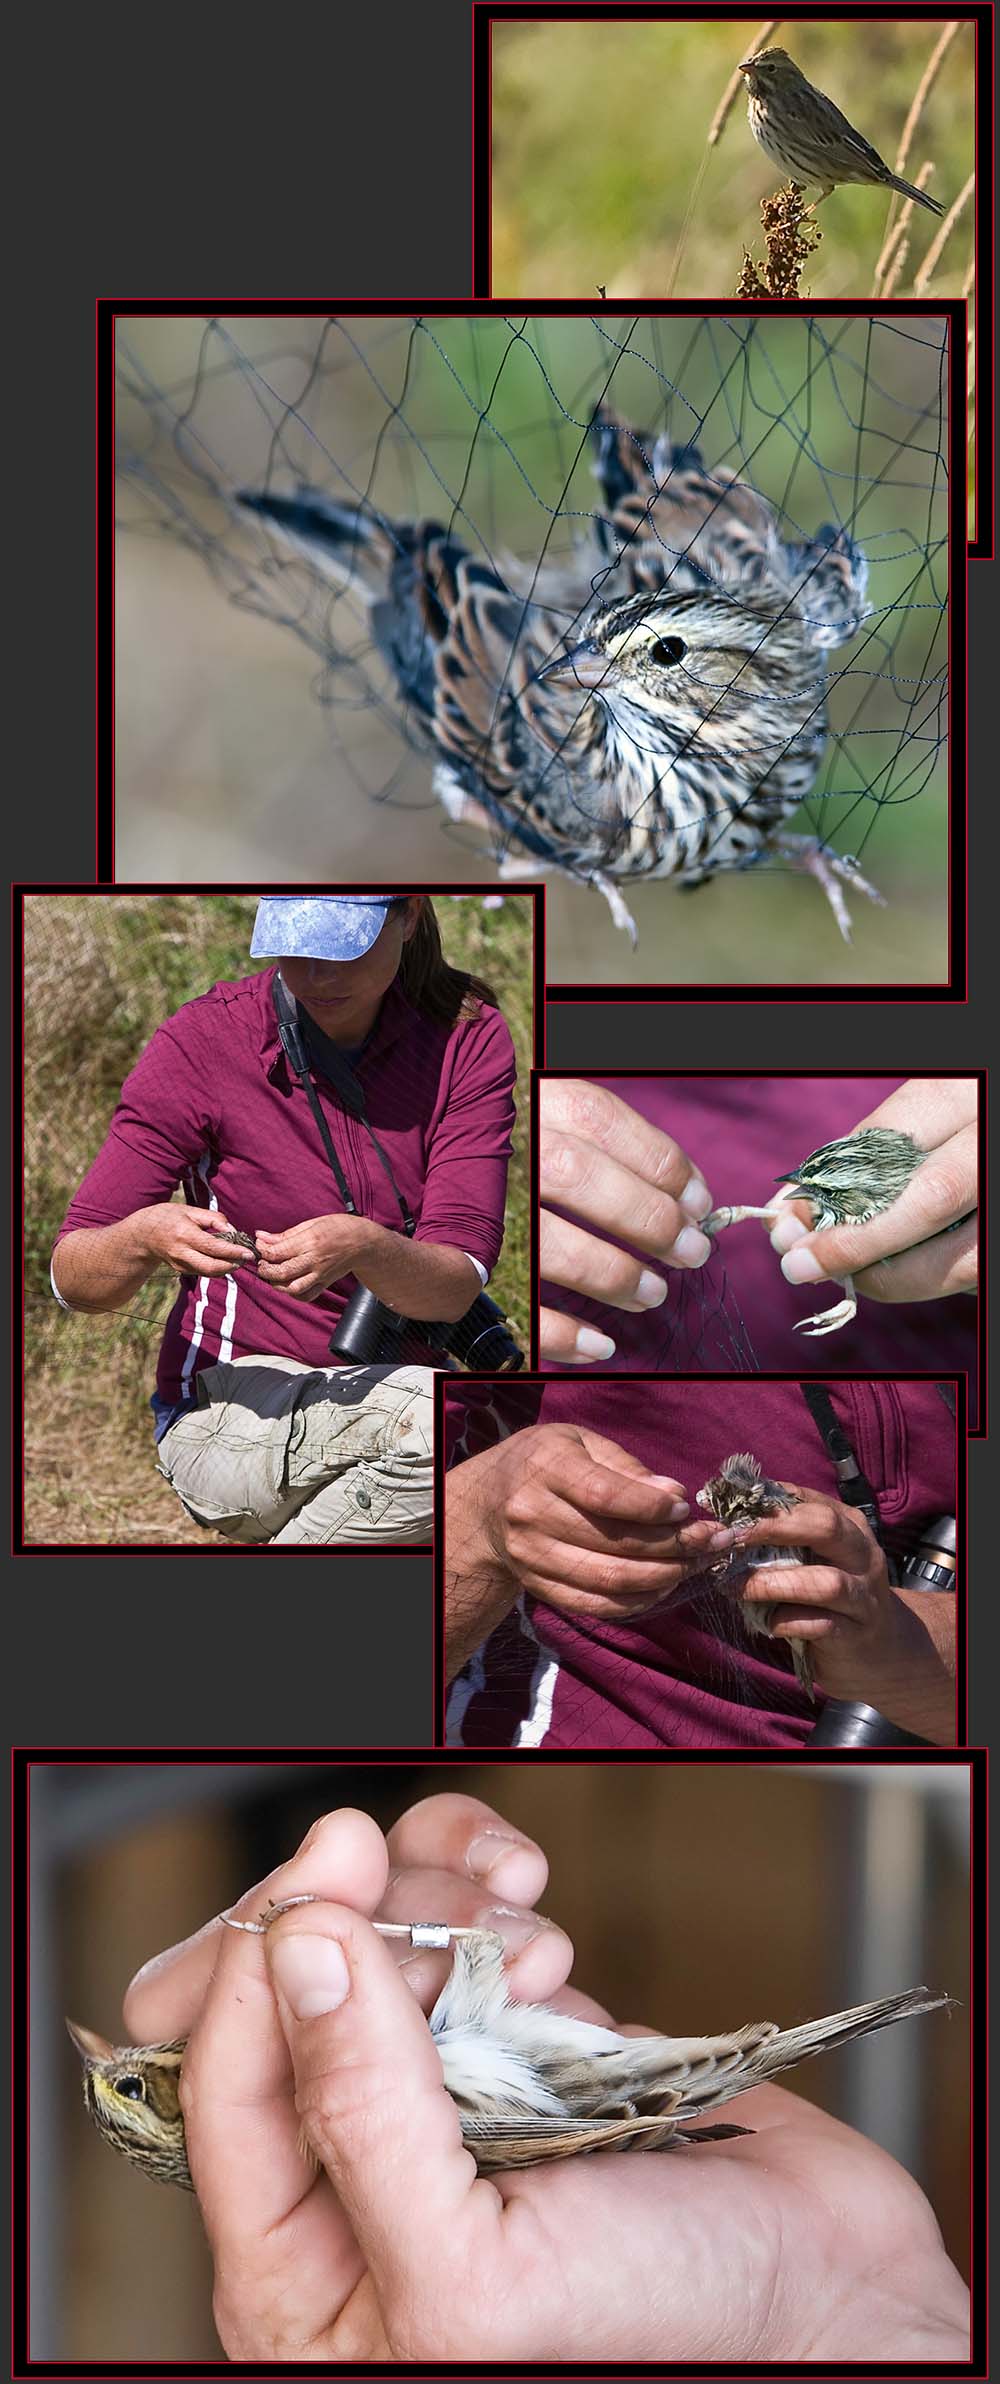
(805, 135)
(846, 1182)
(530, 2084)
(741, 1493)
(667, 729)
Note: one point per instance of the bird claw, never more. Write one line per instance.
(617, 905)
(830, 1320)
(831, 871)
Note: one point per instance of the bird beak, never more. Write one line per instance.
(583, 665)
(89, 2045)
(745, 65)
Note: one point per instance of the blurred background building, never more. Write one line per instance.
(699, 1895)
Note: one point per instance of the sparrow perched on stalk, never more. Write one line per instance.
(656, 708)
(846, 1183)
(740, 1493)
(805, 135)
(529, 2084)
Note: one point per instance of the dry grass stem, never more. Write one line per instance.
(924, 87)
(969, 283)
(941, 236)
(736, 84)
(895, 272)
(790, 236)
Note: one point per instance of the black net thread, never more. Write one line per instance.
(483, 424)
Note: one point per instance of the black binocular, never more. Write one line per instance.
(370, 1334)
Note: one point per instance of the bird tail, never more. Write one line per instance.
(908, 190)
(815, 2036)
(348, 542)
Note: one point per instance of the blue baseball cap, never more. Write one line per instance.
(318, 926)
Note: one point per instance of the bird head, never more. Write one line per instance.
(768, 71)
(856, 1177)
(741, 1491)
(688, 659)
(131, 2093)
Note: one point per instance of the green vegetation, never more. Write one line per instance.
(102, 972)
(600, 150)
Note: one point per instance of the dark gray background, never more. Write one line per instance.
(322, 156)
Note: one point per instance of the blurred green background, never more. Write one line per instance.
(599, 139)
(229, 768)
(102, 971)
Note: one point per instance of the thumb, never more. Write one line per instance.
(370, 2093)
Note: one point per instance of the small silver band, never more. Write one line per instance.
(433, 1935)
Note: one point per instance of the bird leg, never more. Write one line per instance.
(830, 1320)
(431, 1935)
(830, 870)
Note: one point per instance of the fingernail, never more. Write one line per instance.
(788, 1229)
(593, 1345)
(506, 1863)
(801, 1266)
(516, 1928)
(651, 1289)
(721, 1539)
(311, 1974)
(691, 1249)
(678, 1512)
(696, 1198)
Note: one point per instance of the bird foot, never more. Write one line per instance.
(617, 906)
(830, 870)
(721, 1218)
(830, 1320)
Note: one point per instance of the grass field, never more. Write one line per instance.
(101, 973)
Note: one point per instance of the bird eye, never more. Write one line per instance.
(131, 2087)
(668, 650)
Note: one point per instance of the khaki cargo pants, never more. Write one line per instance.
(306, 1456)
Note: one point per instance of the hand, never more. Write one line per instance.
(394, 2250)
(600, 1159)
(576, 1520)
(187, 1239)
(309, 1256)
(907, 1253)
(865, 1641)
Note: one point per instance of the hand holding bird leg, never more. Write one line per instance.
(352, 2254)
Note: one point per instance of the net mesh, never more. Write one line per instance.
(484, 424)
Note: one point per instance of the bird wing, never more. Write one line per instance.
(837, 126)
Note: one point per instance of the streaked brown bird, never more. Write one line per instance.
(805, 135)
(741, 1493)
(529, 2084)
(846, 1183)
(655, 708)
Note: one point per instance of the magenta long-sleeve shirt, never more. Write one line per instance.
(211, 1106)
(547, 1679)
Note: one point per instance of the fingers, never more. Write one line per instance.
(538, 1954)
(459, 1834)
(589, 1113)
(592, 1474)
(930, 1108)
(579, 1262)
(571, 1343)
(948, 1263)
(240, 2123)
(941, 1192)
(582, 1178)
(798, 1589)
(488, 1856)
(831, 1531)
(371, 2099)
